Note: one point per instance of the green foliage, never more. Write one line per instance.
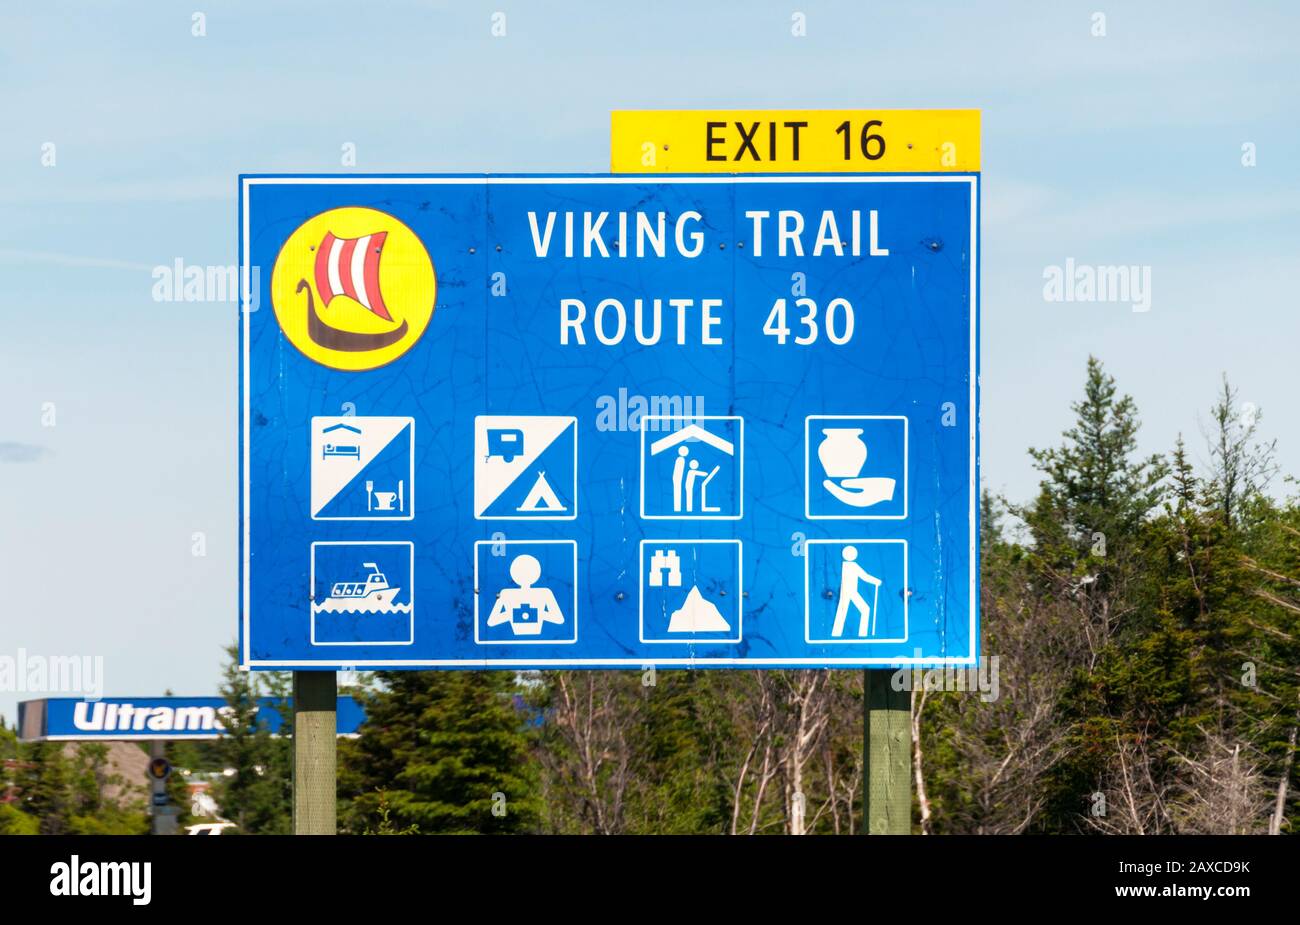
(441, 752)
(700, 752)
(1092, 482)
(385, 824)
(13, 821)
(64, 789)
(1159, 689)
(258, 793)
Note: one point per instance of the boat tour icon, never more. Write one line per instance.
(373, 594)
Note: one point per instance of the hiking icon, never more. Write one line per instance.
(856, 591)
(852, 576)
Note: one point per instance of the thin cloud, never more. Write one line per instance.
(68, 260)
(13, 452)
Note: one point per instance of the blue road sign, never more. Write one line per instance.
(146, 718)
(717, 421)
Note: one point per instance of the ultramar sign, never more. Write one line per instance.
(68, 719)
(609, 421)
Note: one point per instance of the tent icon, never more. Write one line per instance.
(541, 497)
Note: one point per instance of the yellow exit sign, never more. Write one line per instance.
(805, 140)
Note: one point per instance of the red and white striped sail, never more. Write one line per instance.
(350, 267)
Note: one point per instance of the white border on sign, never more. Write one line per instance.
(526, 642)
(692, 640)
(740, 460)
(807, 594)
(969, 658)
(807, 465)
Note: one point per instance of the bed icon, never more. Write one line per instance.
(332, 449)
(342, 449)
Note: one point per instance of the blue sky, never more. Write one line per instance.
(1124, 149)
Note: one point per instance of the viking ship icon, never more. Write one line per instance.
(349, 267)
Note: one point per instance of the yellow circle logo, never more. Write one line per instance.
(353, 288)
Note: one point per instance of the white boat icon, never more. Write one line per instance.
(372, 595)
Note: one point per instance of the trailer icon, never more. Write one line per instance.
(505, 442)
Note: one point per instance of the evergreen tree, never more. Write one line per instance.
(64, 786)
(442, 752)
(13, 819)
(1269, 673)
(257, 792)
(1242, 465)
(94, 812)
(45, 787)
(1094, 488)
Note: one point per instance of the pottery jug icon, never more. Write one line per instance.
(842, 452)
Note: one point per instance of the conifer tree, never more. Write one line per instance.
(257, 792)
(442, 752)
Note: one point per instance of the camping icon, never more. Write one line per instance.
(506, 442)
(525, 467)
(542, 497)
